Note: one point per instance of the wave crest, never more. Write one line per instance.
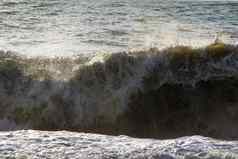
(149, 93)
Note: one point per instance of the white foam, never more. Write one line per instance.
(63, 144)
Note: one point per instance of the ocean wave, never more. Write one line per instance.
(166, 93)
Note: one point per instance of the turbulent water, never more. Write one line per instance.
(174, 92)
(62, 145)
(60, 27)
(149, 84)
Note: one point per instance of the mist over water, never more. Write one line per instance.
(64, 28)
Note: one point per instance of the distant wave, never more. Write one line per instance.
(150, 93)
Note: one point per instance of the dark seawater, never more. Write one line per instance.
(153, 93)
(60, 27)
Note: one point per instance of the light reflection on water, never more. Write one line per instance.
(59, 27)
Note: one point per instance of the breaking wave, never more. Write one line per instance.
(166, 93)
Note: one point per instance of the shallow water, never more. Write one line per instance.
(59, 27)
(63, 144)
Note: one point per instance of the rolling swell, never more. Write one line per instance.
(152, 93)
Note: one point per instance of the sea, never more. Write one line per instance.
(180, 99)
(71, 27)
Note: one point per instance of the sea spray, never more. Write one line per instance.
(150, 93)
